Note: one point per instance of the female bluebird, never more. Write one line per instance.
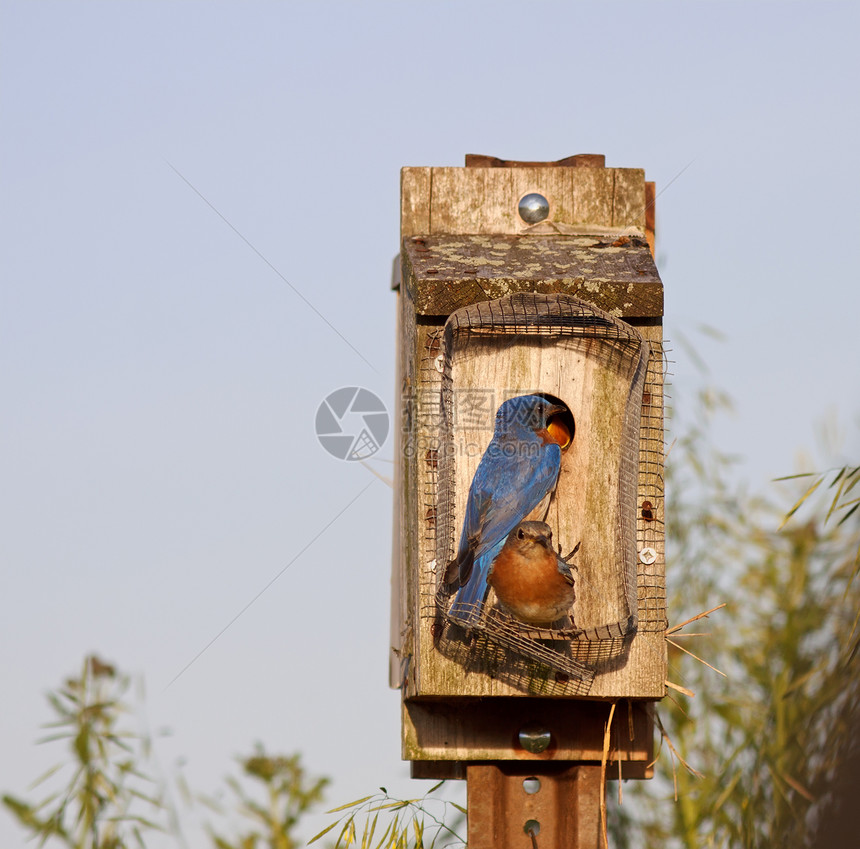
(531, 581)
(518, 471)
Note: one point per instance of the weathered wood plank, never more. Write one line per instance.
(651, 215)
(414, 201)
(593, 189)
(472, 200)
(617, 275)
(398, 608)
(628, 199)
(409, 564)
(481, 201)
(480, 730)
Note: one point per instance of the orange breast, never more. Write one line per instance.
(531, 587)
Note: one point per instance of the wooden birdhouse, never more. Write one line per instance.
(529, 280)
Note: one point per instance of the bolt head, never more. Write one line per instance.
(533, 208)
(534, 738)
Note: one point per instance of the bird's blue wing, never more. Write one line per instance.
(521, 483)
(505, 489)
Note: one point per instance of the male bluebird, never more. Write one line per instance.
(532, 582)
(518, 471)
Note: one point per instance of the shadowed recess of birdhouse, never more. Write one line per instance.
(608, 380)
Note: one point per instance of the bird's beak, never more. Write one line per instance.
(553, 409)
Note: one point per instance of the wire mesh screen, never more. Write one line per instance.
(650, 525)
(604, 371)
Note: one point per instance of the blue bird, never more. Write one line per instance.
(516, 475)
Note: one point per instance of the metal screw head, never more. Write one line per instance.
(534, 738)
(533, 208)
(647, 556)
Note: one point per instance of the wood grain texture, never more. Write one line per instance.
(398, 608)
(409, 563)
(651, 215)
(593, 190)
(473, 200)
(628, 198)
(486, 730)
(414, 201)
(484, 200)
(616, 274)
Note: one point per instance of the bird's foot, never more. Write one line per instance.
(566, 558)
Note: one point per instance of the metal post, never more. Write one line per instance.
(513, 806)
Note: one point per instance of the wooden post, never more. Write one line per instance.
(475, 280)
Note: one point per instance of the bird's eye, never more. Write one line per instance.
(521, 534)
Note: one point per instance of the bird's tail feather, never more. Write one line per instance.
(469, 601)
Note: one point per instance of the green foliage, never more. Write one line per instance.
(843, 480)
(102, 802)
(383, 822)
(286, 794)
(769, 738)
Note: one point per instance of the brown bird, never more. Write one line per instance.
(531, 580)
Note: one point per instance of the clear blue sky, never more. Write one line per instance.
(160, 380)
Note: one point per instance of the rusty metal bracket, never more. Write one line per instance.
(510, 802)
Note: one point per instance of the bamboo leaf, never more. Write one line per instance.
(344, 830)
(854, 476)
(384, 836)
(367, 838)
(849, 514)
(397, 804)
(349, 805)
(800, 502)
